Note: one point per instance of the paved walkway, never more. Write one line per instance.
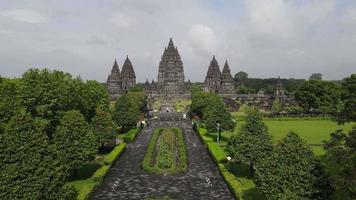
(127, 180)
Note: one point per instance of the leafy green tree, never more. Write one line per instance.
(348, 98)
(138, 99)
(316, 76)
(74, 141)
(104, 127)
(9, 98)
(46, 94)
(241, 77)
(126, 112)
(288, 173)
(218, 113)
(339, 164)
(27, 168)
(252, 143)
(93, 95)
(276, 106)
(203, 101)
(321, 96)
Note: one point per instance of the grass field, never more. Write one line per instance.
(314, 132)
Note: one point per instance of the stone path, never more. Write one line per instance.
(127, 180)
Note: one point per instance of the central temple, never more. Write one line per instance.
(170, 82)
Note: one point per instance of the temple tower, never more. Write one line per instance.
(170, 70)
(170, 82)
(114, 81)
(227, 82)
(128, 76)
(213, 77)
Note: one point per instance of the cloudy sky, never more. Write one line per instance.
(287, 38)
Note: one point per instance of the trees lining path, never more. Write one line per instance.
(127, 180)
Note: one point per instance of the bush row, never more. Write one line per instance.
(86, 187)
(219, 156)
(131, 135)
(231, 180)
(216, 152)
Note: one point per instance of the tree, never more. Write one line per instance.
(316, 76)
(252, 143)
(339, 164)
(27, 168)
(276, 106)
(288, 173)
(241, 77)
(126, 112)
(203, 101)
(103, 126)
(348, 98)
(9, 98)
(320, 96)
(218, 113)
(74, 141)
(92, 95)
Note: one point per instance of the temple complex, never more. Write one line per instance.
(120, 83)
(221, 83)
(171, 86)
(170, 83)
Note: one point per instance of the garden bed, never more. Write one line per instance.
(166, 153)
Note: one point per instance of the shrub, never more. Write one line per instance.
(114, 154)
(234, 185)
(216, 152)
(131, 135)
(203, 135)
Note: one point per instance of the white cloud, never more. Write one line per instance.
(202, 40)
(123, 21)
(25, 15)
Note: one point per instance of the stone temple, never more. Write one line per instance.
(219, 82)
(170, 84)
(119, 83)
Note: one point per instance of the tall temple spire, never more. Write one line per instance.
(226, 69)
(214, 69)
(127, 68)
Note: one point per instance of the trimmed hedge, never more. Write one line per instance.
(114, 154)
(86, 187)
(202, 132)
(216, 152)
(131, 135)
(234, 185)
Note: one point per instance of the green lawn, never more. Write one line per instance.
(314, 132)
(181, 105)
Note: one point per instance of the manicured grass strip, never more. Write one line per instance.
(149, 152)
(131, 135)
(183, 159)
(165, 156)
(217, 152)
(160, 155)
(87, 186)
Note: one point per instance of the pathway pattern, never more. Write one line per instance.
(127, 180)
